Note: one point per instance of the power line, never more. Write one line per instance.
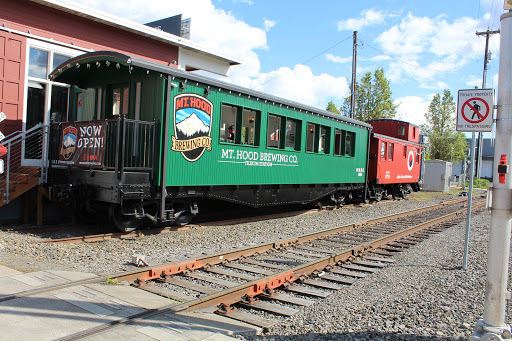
(410, 64)
(305, 62)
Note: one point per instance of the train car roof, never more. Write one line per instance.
(69, 72)
(380, 136)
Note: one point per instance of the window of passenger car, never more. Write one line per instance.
(292, 138)
(239, 125)
(350, 143)
(228, 120)
(323, 140)
(339, 140)
(249, 132)
(310, 140)
(273, 131)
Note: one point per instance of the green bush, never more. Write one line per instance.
(478, 183)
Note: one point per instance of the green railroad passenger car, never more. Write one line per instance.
(151, 142)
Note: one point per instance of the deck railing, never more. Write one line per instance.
(117, 144)
(26, 158)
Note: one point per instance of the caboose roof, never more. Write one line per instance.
(73, 71)
(380, 136)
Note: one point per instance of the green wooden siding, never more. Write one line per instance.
(234, 164)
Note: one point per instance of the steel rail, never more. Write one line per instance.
(155, 272)
(253, 288)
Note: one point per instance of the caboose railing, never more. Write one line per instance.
(119, 145)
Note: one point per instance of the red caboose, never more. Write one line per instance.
(394, 159)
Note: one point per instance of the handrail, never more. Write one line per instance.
(17, 172)
(20, 133)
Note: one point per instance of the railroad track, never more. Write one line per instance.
(281, 276)
(92, 238)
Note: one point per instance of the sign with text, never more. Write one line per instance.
(82, 144)
(475, 109)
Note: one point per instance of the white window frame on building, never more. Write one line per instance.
(47, 87)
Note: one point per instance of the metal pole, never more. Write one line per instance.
(487, 34)
(470, 200)
(354, 65)
(493, 326)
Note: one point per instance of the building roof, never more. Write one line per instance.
(135, 28)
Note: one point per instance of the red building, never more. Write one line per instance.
(38, 35)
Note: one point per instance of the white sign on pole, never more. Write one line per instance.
(475, 109)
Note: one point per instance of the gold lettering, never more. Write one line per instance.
(186, 145)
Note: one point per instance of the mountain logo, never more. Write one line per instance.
(192, 126)
(68, 146)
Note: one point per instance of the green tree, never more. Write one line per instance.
(442, 141)
(332, 108)
(373, 98)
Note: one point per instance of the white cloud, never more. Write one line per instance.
(269, 24)
(429, 48)
(412, 109)
(368, 17)
(301, 85)
(337, 59)
(248, 2)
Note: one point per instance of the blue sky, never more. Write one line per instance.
(302, 50)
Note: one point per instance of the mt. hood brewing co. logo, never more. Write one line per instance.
(192, 123)
(68, 142)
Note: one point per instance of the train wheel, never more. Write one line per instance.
(378, 194)
(123, 222)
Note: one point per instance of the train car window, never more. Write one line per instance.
(418, 154)
(86, 104)
(323, 141)
(120, 100)
(273, 131)
(390, 151)
(310, 140)
(350, 141)
(137, 100)
(413, 132)
(228, 123)
(338, 142)
(383, 150)
(401, 130)
(292, 138)
(249, 120)
(405, 152)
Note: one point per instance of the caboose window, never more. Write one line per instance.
(228, 120)
(383, 150)
(292, 138)
(390, 151)
(310, 140)
(405, 151)
(401, 130)
(86, 104)
(350, 141)
(273, 131)
(418, 156)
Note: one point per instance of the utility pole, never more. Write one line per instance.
(493, 326)
(487, 34)
(353, 90)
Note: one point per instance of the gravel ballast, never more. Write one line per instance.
(424, 295)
